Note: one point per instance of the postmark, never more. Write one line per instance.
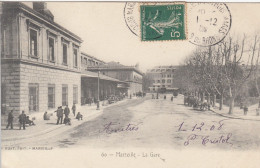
(163, 22)
(208, 23)
(132, 16)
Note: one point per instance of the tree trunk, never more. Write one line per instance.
(214, 100)
(203, 97)
(231, 105)
(221, 101)
(208, 99)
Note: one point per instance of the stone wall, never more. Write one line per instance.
(16, 77)
(43, 76)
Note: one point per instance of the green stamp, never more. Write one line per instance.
(163, 22)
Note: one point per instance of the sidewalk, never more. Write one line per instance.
(47, 126)
(237, 112)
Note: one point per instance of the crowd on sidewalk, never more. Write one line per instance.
(62, 117)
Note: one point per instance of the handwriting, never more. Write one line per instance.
(222, 139)
(201, 126)
(113, 127)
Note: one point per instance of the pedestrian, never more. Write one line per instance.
(172, 98)
(10, 120)
(79, 116)
(67, 120)
(22, 120)
(59, 115)
(66, 111)
(46, 116)
(28, 121)
(74, 109)
(164, 97)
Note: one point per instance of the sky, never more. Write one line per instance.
(106, 36)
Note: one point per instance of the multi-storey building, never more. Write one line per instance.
(42, 66)
(89, 61)
(37, 54)
(131, 75)
(162, 77)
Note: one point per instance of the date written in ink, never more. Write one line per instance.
(201, 126)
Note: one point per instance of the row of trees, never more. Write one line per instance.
(221, 70)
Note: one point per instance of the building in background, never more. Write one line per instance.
(162, 78)
(89, 81)
(131, 75)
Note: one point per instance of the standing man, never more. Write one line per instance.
(59, 115)
(22, 120)
(10, 120)
(67, 111)
(74, 109)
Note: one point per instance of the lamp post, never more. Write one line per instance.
(98, 92)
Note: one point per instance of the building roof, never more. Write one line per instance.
(101, 76)
(159, 69)
(115, 66)
(83, 53)
(29, 10)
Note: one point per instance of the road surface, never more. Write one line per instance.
(157, 123)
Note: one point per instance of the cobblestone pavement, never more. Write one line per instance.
(158, 123)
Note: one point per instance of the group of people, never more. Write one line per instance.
(164, 97)
(23, 120)
(66, 111)
(194, 101)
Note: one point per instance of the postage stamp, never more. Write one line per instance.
(208, 23)
(163, 22)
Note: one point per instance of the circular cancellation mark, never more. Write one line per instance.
(208, 23)
(132, 16)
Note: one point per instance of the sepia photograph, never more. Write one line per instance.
(130, 84)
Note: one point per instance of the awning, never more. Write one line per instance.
(101, 76)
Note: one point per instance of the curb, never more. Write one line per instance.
(233, 117)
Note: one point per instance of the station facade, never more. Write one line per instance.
(42, 66)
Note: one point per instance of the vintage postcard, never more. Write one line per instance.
(130, 84)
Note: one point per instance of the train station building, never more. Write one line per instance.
(42, 66)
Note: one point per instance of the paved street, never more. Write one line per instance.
(146, 122)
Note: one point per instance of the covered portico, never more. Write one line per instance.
(107, 86)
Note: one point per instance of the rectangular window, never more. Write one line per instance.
(51, 96)
(169, 81)
(33, 97)
(33, 43)
(51, 49)
(65, 53)
(75, 57)
(75, 94)
(64, 95)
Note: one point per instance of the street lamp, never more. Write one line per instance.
(98, 92)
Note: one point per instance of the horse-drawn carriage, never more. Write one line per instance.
(193, 101)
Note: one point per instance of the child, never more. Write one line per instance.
(67, 120)
(79, 116)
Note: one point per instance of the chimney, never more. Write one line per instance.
(41, 7)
